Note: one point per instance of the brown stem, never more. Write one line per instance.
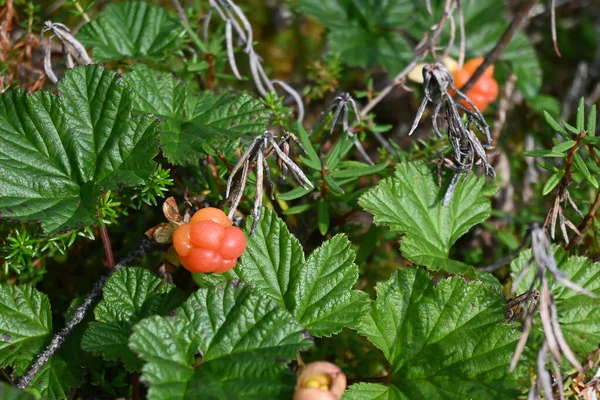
(135, 383)
(420, 56)
(107, 247)
(517, 23)
(180, 11)
(586, 223)
(5, 376)
(210, 83)
(569, 163)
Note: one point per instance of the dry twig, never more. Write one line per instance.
(257, 152)
(86, 305)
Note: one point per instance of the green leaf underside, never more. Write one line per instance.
(130, 30)
(442, 342)
(364, 32)
(244, 340)
(130, 295)
(58, 153)
(318, 290)
(579, 314)
(25, 322)
(191, 121)
(411, 204)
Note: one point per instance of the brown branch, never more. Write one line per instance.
(59, 338)
(180, 11)
(517, 23)
(586, 223)
(421, 51)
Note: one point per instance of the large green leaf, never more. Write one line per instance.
(579, 314)
(317, 291)
(411, 204)
(367, 391)
(444, 342)
(9, 392)
(129, 296)
(130, 30)
(57, 153)
(365, 32)
(56, 379)
(25, 322)
(25, 328)
(222, 343)
(191, 122)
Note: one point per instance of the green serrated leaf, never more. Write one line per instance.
(190, 122)
(131, 30)
(25, 323)
(411, 204)
(552, 182)
(524, 61)
(541, 103)
(444, 342)
(130, 295)
(55, 379)
(317, 291)
(366, 391)
(58, 153)
(243, 342)
(579, 314)
(9, 392)
(25, 327)
(564, 146)
(364, 32)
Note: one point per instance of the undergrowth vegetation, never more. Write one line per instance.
(413, 188)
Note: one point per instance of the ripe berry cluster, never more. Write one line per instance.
(209, 243)
(485, 90)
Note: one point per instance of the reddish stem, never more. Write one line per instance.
(107, 247)
(135, 386)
